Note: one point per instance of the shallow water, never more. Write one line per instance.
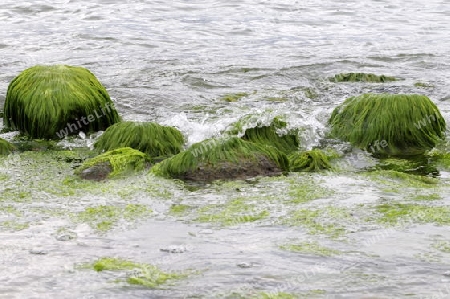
(171, 62)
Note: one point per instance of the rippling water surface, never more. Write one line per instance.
(172, 62)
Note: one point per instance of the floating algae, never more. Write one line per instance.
(145, 275)
(362, 77)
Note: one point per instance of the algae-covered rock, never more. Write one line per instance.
(313, 160)
(5, 147)
(113, 163)
(147, 137)
(269, 135)
(228, 158)
(361, 77)
(54, 101)
(403, 124)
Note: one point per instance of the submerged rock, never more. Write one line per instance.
(361, 77)
(5, 147)
(390, 124)
(113, 163)
(230, 158)
(54, 101)
(150, 138)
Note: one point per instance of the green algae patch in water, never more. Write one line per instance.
(329, 221)
(305, 189)
(153, 139)
(179, 209)
(399, 181)
(420, 165)
(5, 147)
(104, 218)
(271, 295)
(310, 93)
(25, 143)
(54, 101)
(235, 212)
(313, 160)
(145, 275)
(398, 213)
(442, 159)
(423, 85)
(362, 77)
(442, 246)
(234, 97)
(278, 295)
(389, 124)
(14, 225)
(427, 197)
(311, 247)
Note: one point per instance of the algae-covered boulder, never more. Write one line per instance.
(403, 124)
(5, 147)
(361, 77)
(286, 142)
(54, 101)
(147, 137)
(227, 158)
(313, 160)
(113, 163)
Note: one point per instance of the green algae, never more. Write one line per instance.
(236, 211)
(218, 155)
(122, 161)
(234, 97)
(307, 189)
(328, 221)
(145, 275)
(26, 143)
(179, 209)
(389, 124)
(310, 93)
(423, 85)
(428, 257)
(362, 77)
(427, 197)
(14, 225)
(278, 295)
(398, 181)
(419, 165)
(5, 147)
(269, 135)
(10, 211)
(276, 99)
(271, 295)
(310, 247)
(395, 213)
(54, 101)
(313, 160)
(104, 218)
(442, 246)
(442, 159)
(151, 138)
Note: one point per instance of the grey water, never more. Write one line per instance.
(172, 62)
